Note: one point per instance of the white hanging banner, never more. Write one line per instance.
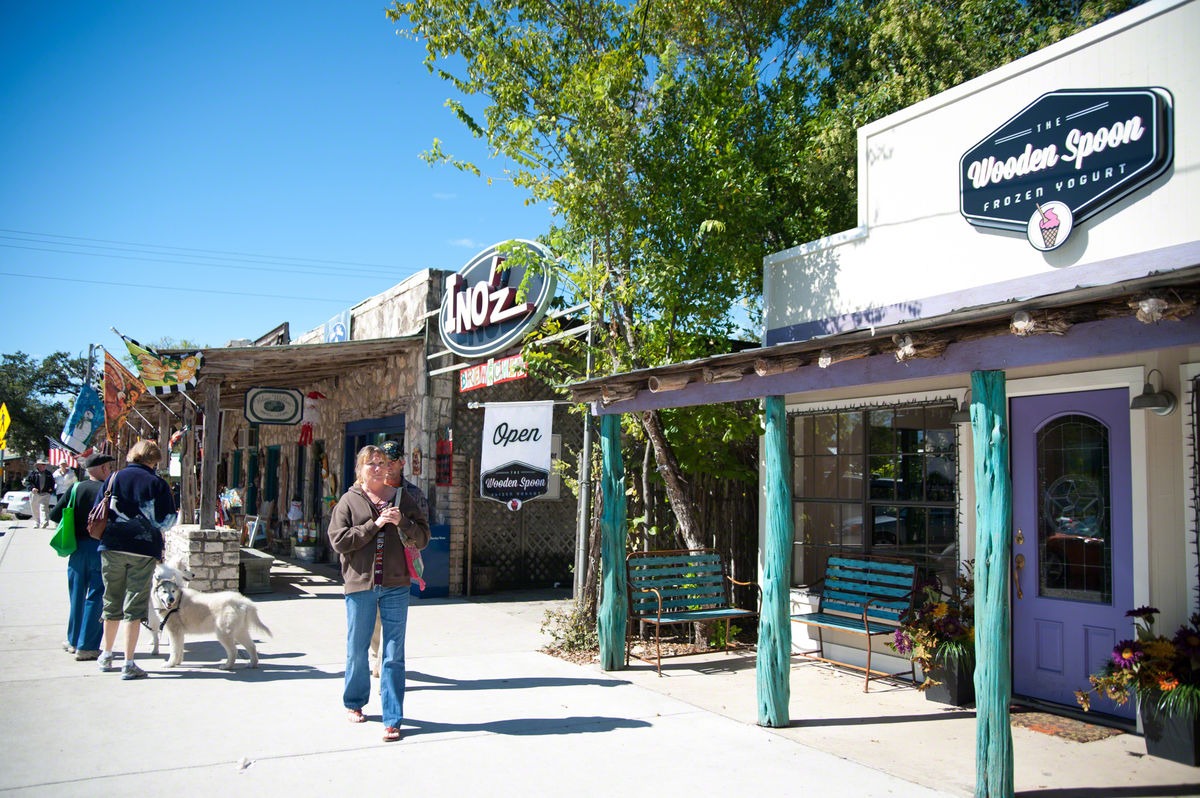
(514, 465)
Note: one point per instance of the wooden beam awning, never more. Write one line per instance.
(237, 369)
(1089, 321)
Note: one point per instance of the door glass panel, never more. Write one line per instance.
(1074, 545)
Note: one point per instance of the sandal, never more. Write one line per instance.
(355, 716)
(391, 734)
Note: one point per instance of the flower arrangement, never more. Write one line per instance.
(939, 631)
(1157, 669)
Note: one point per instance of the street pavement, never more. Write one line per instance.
(486, 713)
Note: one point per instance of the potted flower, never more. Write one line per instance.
(1163, 674)
(938, 634)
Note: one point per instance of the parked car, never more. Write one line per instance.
(18, 503)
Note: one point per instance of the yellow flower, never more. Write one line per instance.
(940, 609)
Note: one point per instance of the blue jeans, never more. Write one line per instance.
(391, 604)
(86, 589)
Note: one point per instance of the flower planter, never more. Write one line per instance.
(956, 684)
(1170, 736)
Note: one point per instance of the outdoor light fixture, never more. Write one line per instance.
(1160, 402)
(963, 414)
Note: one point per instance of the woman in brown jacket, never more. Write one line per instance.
(369, 530)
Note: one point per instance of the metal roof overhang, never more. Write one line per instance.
(1080, 322)
(237, 369)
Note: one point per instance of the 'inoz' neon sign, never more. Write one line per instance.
(494, 300)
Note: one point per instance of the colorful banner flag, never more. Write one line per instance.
(121, 392)
(5, 420)
(162, 374)
(86, 419)
(514, 465)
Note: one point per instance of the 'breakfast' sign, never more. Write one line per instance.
(1068, 155)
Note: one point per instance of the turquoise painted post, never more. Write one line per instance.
(773, 670)
(610, 622)
(993, 624)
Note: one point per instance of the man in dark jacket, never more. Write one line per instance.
(41, 483)
(85, 586)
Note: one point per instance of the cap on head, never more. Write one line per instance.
(391, 450)
(97, 459)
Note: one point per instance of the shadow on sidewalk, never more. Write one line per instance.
(527, 727)
(1143, 791)
(519, 683)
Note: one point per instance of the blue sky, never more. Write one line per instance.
(209, 171)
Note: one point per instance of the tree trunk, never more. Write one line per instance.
(677, 494)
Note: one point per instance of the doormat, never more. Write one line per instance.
(1067, 728)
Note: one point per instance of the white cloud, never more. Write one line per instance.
(466, 243)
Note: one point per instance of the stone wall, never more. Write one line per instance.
(212, 555)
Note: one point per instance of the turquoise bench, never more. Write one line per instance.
(865, 596)
(678, 586)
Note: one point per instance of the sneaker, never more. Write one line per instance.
(67, 647)
(85, 655)
(105, 660)
(132, 671)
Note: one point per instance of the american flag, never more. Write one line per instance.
(59, 455)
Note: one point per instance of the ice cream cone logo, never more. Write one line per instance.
(1049, 226)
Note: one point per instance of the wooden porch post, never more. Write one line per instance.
(211, 446)
(993, 622)
(611, 619)
(773, 669)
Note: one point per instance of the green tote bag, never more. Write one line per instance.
(63, 541)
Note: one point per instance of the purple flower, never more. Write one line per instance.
(1143, 612)
(903, 644)
(1127, 653)
(1187, 640)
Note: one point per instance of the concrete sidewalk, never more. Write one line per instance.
(485, 713)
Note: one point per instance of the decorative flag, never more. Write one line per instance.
(121, 392)
(5, 420)
(60, 454)
(86, 419)
(163, 374)
(338, 328)
(514, 465)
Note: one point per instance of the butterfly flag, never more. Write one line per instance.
(121, 392)
(338, 328)
(163, 374)
(86, 419)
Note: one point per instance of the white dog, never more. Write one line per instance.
(163, 572)
(228, 614)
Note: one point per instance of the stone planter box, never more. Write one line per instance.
(255, 570)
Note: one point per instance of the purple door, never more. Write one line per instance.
(1072, 541)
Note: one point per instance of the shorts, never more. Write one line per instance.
(127, 579)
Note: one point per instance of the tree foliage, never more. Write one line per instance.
(679, 142)
(38, 395)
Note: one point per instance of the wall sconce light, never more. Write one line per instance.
(1160, 402)
(963, 414)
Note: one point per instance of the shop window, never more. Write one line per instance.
(877, 481)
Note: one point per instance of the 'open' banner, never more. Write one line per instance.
(514, 466)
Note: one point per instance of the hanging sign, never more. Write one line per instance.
(274, 406)
(514, 465)
(493, 301)
(1067, 156)
(492, 372)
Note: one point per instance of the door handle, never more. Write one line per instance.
(1020, 564)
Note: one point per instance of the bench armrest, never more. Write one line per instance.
(757, 589)
(657, 594)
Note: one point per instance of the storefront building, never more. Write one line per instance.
(1038, 222)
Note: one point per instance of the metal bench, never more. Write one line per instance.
(865, 596)
(678, 586)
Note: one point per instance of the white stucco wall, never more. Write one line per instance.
(913, 243)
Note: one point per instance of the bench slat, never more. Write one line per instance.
(843, 623)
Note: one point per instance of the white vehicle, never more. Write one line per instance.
(18, 503)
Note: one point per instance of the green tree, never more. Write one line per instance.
(38, 395)
(680, 141)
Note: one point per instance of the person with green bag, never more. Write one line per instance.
(85, 586)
